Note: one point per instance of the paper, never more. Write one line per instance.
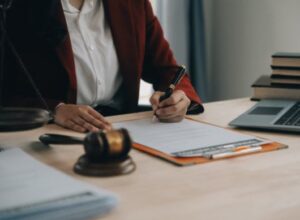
(32, 190)
(184, 139)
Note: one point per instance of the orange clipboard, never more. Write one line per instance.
(186, 161)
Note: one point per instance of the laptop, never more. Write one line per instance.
(280, 115)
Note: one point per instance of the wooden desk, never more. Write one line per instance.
(264, 186)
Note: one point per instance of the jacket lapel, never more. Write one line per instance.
(52, 27)
(124, 36)
(65, 54)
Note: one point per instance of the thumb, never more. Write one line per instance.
(154, 100)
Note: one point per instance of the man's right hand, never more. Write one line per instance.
(80, 118)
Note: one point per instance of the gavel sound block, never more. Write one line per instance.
(106, 152)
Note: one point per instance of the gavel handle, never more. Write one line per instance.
(48, 139)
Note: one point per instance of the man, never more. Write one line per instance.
(87, 58)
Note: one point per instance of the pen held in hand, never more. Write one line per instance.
(169, 91)
(176, 80)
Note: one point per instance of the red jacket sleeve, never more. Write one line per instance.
(160, 64)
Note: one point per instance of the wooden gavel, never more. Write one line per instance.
(98, 146)
(106, 152)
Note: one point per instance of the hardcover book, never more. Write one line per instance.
(264, 89)
(286, 59)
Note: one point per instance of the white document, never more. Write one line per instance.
(32, 190)
(184, 139)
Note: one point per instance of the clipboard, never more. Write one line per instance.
(265, 146)
(187, 161)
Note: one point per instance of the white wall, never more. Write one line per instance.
(242, 35)
(172, 15)
(146, 88)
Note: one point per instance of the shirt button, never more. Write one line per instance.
(92, 48)
(98, 81)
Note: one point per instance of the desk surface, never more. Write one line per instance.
(263, 186)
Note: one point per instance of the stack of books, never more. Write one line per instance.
(284, 82)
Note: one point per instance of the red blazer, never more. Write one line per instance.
(39, 31)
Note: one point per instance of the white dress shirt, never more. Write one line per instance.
(96, 62)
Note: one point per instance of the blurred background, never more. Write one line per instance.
(227, 44)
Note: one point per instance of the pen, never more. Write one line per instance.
(178, 77)
(236, 152)
(229, 150)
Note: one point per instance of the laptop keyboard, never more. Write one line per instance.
(291, 117)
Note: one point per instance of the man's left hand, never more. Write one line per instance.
(172, 109)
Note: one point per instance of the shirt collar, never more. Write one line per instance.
(88, 6)
(67, 7)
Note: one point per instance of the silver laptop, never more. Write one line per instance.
(281, 115)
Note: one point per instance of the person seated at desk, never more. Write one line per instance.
(87, 58)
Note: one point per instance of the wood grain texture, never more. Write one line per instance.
(262, 186)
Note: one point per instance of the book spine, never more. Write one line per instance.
(275, 93)
(285, 67)
(286, 55)
(278, 76)
(286, 85)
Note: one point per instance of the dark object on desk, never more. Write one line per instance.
(48, 139)
(107, 145)
(19, 119)
(106, 152)
(115, 167)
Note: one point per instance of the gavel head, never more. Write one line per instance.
(106, 154)
(107, 145)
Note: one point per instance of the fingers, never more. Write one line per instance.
(172, 113)
(97, 115)
(154, 100)
(73, 126)
(94, 123)
(84, 124)
(174, 108)
(175, 98)
(80, 118)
